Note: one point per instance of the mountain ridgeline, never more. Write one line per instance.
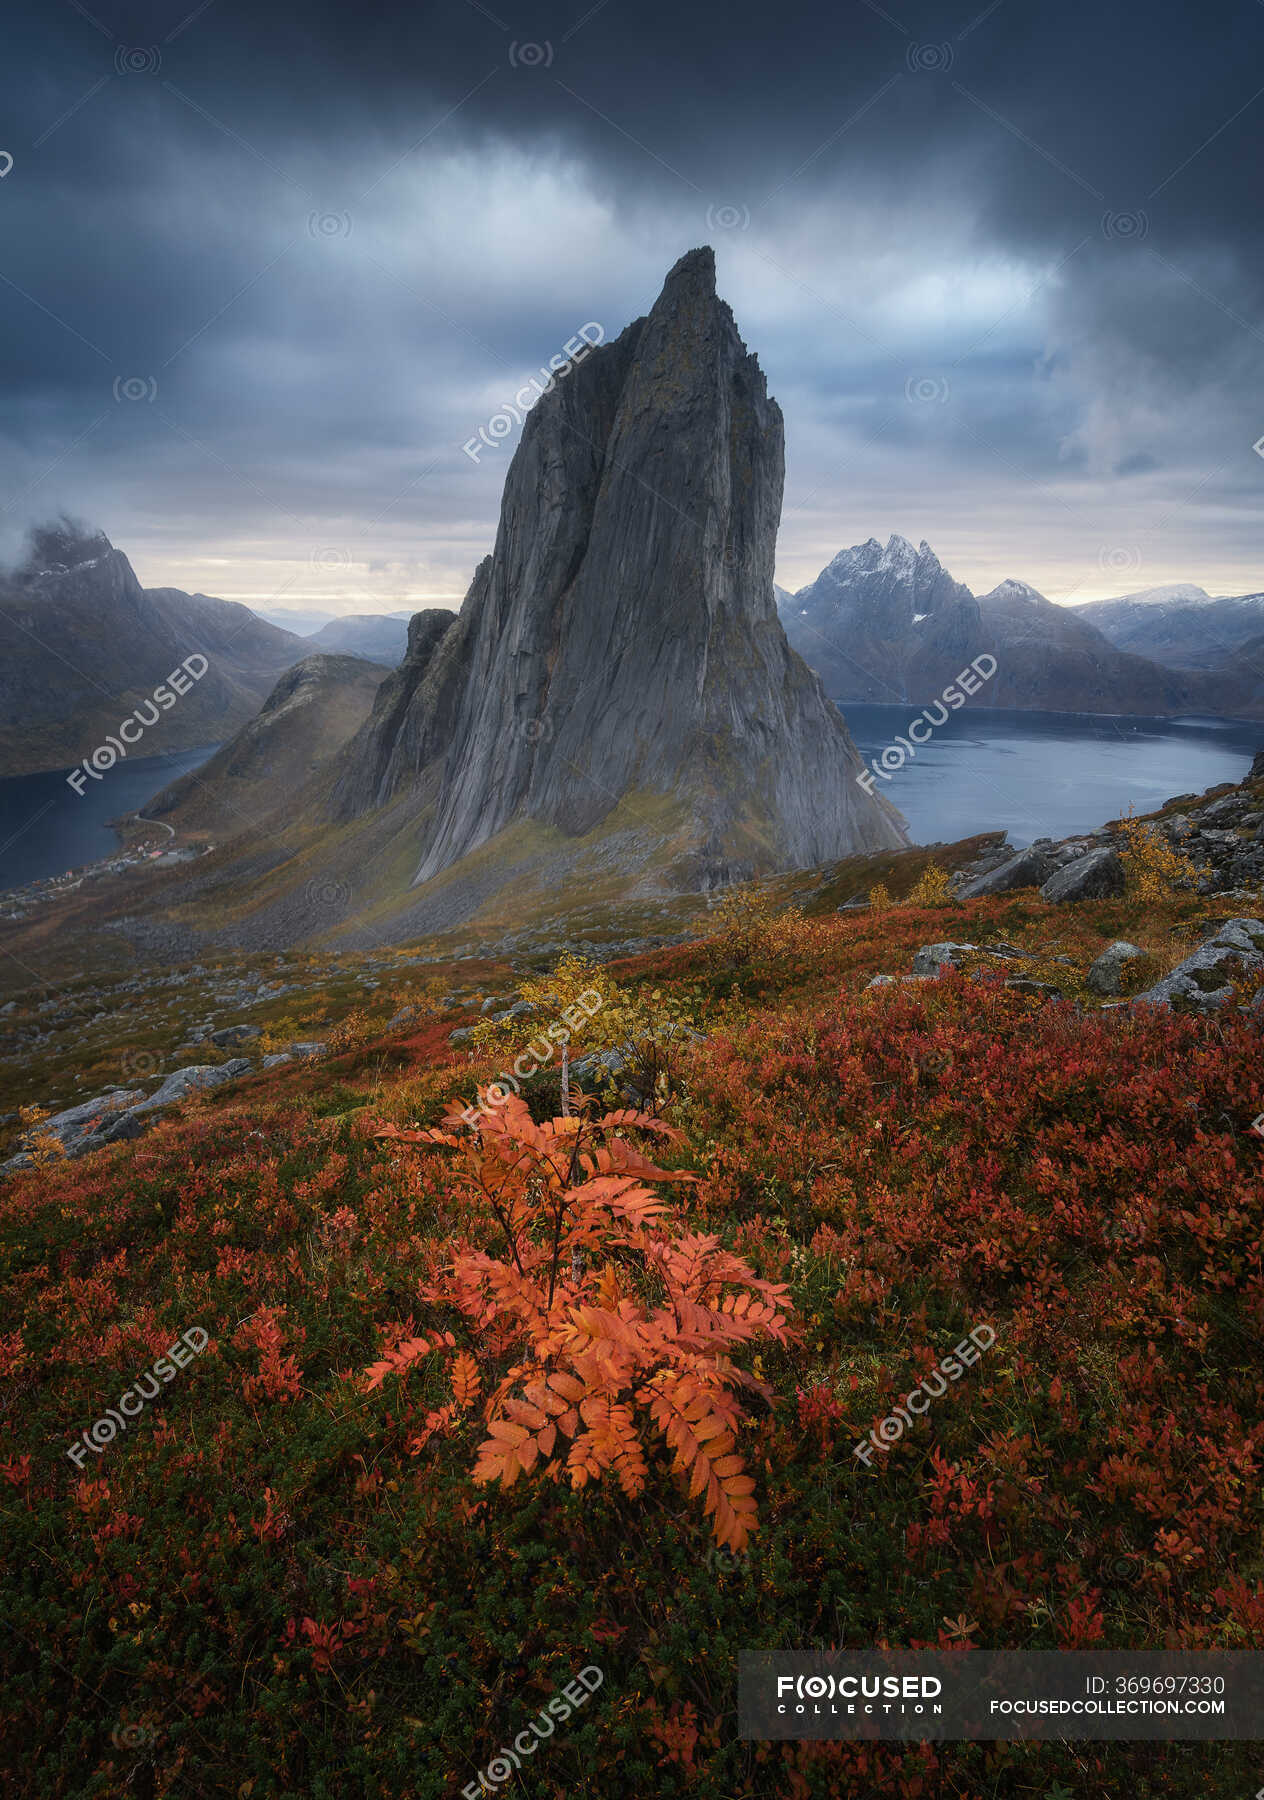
(1180, 625)
(624, 707)
(82, 644)
(888, 624)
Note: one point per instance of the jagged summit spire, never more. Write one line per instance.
(693, 273)
(622, 642)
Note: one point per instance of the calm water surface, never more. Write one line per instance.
(46, 828)
(1031, 774)
(1046, 774)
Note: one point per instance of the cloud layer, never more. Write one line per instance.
(262, 275)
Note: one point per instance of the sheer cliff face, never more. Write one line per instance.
(622, 640)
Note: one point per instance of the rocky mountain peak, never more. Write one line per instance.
(1011, 591)
(620, 648)
(691, 279)
(59, 546)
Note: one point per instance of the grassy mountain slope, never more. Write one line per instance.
(311, 712)
(278, 1583)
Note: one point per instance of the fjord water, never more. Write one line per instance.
(46, 828)
(1031, 774)
(1046, 774)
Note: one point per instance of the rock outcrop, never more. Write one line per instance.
(621, 646)
(1111, 969)
(411, 720)
(1204, 982)
(1097, 876)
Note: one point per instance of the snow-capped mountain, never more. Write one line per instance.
(1181, 625)
(869, 610)
(1171, 593)
(888, 623)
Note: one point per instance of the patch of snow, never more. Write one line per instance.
(1012, 589)
(1175, 592)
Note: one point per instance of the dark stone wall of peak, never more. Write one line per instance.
(412, 716)
(623, 638)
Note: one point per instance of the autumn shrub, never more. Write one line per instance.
(548, 997)
(600, 1322)
(1153, 866)
(879, 898)
(649, 1028)
(285, 1030)
(257, 1591)
(43, 1147)
(756, 943)
(352, 1030)
(932, 888)
(740, 922)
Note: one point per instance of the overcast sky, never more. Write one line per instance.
(264, 271)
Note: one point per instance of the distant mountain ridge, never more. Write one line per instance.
(82, 644)
(379, 637)
(888, 623)
(1180, 625)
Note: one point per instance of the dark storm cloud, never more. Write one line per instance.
(265, 272)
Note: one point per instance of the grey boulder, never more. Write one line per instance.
(232, 1035)
(1106, 974)
(82, 1128)
(121, 1127)
(79, 1123)
(1204, 980)
(1097, 876)
(191, 1081)
(932, 959)
(1027, 868)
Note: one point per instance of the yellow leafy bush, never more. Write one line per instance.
(932, 888)
(550, 996)
(650, 1028)
(742, 919)
(350, 1031)
(751, 928)
(1154, 868)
